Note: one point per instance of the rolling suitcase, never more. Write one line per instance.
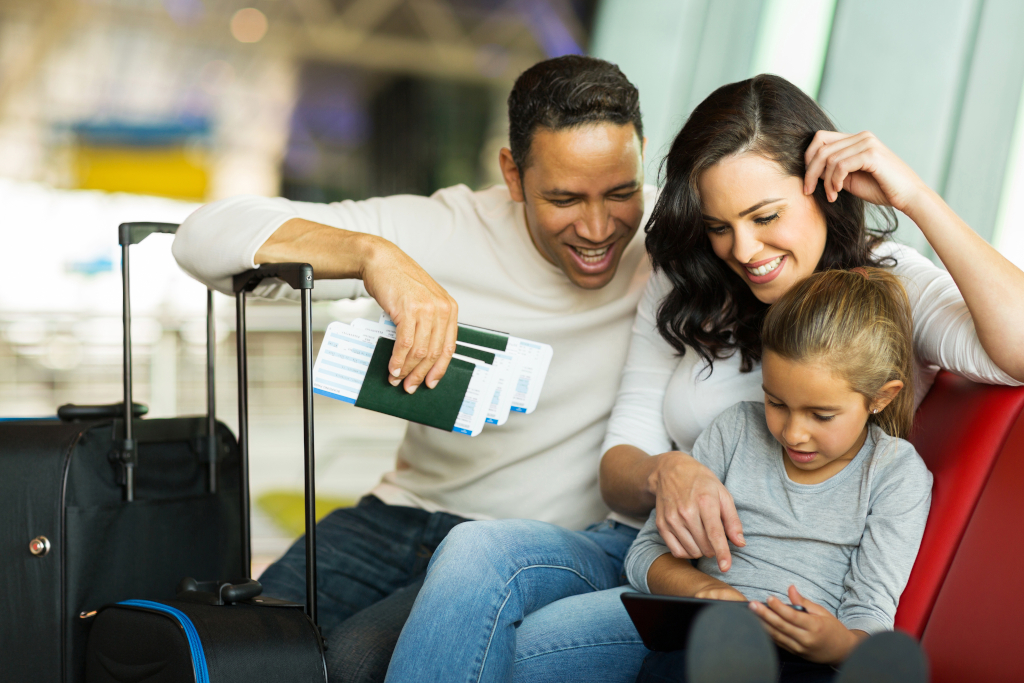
(98, 507)
(224, 631)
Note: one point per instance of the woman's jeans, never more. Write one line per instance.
(523, 600)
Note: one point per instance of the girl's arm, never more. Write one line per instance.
(992, 287)
(674, 576)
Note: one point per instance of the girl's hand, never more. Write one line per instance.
(861, 165)
(815, 635)
(720, 591)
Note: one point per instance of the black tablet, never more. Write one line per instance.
(664, 621)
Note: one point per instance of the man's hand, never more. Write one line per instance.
(696, 514)
(425, 315)
(815, 635)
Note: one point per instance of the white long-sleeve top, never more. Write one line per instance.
(476, 245)
(665, 401)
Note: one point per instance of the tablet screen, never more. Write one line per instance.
(664, 621)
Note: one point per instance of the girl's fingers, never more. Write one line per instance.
(773, 619)
(783, 641)
(801, 620)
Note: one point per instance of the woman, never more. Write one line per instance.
(760, 192)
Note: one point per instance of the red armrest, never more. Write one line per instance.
(961, 431)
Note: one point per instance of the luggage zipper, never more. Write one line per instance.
(195, 645)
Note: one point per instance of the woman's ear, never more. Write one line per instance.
(885, 395)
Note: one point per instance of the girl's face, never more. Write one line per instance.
(761, 223)
(819, 420)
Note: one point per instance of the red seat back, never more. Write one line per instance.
(972, 438)
(960, 430)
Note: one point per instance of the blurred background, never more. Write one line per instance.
(118, 110)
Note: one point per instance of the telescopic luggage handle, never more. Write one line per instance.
(300, 277)
(126, 451)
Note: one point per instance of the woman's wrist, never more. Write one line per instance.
(664, 462)
(923, 204)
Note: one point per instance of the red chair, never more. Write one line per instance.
(965, 598)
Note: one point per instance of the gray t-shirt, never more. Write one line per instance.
(847, 543)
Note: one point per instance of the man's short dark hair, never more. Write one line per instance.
(567, 92)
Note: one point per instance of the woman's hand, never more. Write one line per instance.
(815, 635)
(696, 514)
(861, 165)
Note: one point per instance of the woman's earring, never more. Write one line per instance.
(874, 411)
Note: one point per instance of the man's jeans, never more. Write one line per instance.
(370, 563)
(524, 600)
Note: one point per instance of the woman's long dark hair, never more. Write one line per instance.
(710, 308)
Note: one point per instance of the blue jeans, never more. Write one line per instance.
(522, 600)
(370, 562)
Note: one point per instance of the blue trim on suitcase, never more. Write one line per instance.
(194, 644)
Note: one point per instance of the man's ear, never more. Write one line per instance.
(885, 395)
(510, 172)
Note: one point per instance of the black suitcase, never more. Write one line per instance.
(93, 515)
(224, 631)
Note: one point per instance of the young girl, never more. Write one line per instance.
(833, 501)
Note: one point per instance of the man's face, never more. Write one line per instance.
(583, 193)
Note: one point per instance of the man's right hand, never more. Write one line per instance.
(696, 515)
(425, 315)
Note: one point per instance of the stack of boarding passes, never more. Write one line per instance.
(491, 375)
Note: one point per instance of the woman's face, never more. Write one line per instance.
(761, 223)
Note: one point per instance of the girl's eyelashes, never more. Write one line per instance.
(819, 418)
(715, 229)
(765, 220)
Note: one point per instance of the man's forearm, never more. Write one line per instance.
(625, 480)
(670, 575)
(334, 253)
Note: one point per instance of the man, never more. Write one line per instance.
(553, 256)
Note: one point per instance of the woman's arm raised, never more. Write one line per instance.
(992, 287)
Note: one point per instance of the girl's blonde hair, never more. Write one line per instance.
(858, 323)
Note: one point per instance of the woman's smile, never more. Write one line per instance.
(764, 271)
